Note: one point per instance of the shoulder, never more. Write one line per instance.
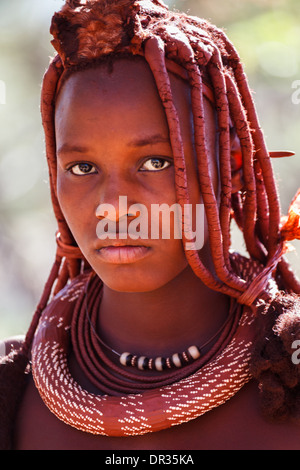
(38, 428)
(62, 304)
(244, 266)
(10, 344)
(69, 294)
(74, 289)
(261, 431)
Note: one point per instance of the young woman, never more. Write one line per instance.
(144, 340)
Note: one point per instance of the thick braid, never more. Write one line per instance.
(219, 231)
(268, 205)
(258, 285)
(267, 220)
(218, 228)
(219, 85)
(50, 84)
(154, 54)
(262, 153)
(239, 118)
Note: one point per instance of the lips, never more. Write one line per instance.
(122, 254)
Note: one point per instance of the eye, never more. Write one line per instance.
(82, 169)
(155, 164)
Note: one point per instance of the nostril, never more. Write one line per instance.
(106, 210)
(114, 211)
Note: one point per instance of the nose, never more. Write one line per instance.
(114, 211)
(115, 198)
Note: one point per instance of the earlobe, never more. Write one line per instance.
(236, 162)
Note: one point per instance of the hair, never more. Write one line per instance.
(88, 32)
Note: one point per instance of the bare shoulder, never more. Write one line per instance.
(235, 425)
(7, 345)
(254, 431)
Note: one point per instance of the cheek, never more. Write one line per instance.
(77, 206)
(75, 192)
(68, 201)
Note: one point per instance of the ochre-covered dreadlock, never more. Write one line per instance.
(87, 32)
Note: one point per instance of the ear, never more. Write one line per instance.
(236, 162)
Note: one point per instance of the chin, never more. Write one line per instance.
(130, 286)
(138, 278)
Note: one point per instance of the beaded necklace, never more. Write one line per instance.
(111, 377)
(176, 360)
(129, 404)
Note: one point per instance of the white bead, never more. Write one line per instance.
(194, 352)
(176, 360)
(140, 362)
(123, 358)
(158, 364)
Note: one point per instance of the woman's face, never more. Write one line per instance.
(113, 151)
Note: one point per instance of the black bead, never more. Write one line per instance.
(164, 363)
(146, 363)
(181, 358)
(128, 359)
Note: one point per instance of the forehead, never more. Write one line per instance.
(129, 78)
(125, 86)
(131, 73)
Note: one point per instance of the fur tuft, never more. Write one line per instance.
(273, 366)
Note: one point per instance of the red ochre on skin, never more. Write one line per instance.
(123, 254)
(118, 163)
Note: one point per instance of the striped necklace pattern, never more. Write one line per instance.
(134, 409)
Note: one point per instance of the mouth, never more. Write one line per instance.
(121, 251)
(123, 254)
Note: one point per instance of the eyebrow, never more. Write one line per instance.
(154, 139)
(65, 148)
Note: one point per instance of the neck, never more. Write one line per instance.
(170, 319)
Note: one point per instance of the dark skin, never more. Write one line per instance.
(236, 425)
(144, 296)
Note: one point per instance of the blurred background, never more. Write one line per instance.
(267, 35)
